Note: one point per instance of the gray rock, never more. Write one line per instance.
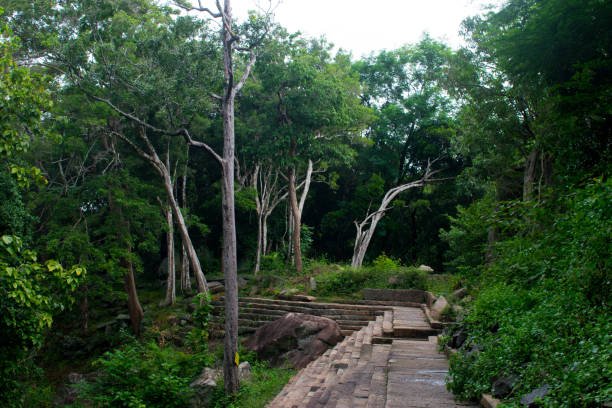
(460, 293)
(458, 339)
(244, 371)
(203, 387)
(531, 400)
(215, 287)
(313, 283)
(426, 268)
(438, 307)
(503, 386)
(123, 316)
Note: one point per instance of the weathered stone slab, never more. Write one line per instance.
(399, 295)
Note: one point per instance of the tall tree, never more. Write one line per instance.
(310, 102)
(233, 83)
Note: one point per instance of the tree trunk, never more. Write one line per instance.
(193, 256)
(171, 279)
(229, 262)
(295, 212)
(366, 228)
(134, 307)
(185, 280)
(153, 158)
(529, 174)
(260, 243)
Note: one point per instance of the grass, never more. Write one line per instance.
(266, 382)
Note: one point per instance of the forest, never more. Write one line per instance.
(148, 149)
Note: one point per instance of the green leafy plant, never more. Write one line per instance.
(142, 375)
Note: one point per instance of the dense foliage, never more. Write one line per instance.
(109, 120)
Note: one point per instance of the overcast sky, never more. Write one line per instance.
(363, 26)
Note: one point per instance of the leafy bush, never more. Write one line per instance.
(31, 295)
(384, 273)
(542, 313)
(197, 338)
(137, 375)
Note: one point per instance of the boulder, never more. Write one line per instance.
(426, 268)
(203, 387)
(244, 371)
(438, 307)
(460, 293)
(458, 339)
(313, 283)
(502, 387)
(295, 338)
(531, 400)
(215, 287)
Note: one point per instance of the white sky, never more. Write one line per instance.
(363, 26)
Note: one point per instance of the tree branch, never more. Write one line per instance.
(203, 145)
(246, 73)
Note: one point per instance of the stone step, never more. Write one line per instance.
(416, 368)
(282, 310)
(313, 305)
(387, 325)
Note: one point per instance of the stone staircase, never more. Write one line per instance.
(255, 312)
(375, 368)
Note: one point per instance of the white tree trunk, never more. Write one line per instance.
(153, 158)
(366, 228)
(185, 279)
(171, 279)
(268, 195)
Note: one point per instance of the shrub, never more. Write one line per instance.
(138, 375)
(542, 313)
(384, 273)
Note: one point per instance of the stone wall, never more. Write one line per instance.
(399, 295)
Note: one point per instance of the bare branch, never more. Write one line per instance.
(199, 7)
(203, 145)
(246, 73)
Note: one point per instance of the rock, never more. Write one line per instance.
(244, 371)
(458, 339)
(207, 378)
(487, 401)
(438, 307)
(426, 268)
(393, 280)
(531, 400)
(285, 293)
(296, 298)
(242, 283)
(203, 387)
(295, 338)
(460, 293)
(74, 378)
(122, 316)
(502, 387)
(313, 283)
(215, 287)
(474, 350)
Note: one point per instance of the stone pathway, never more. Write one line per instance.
(382, 365)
